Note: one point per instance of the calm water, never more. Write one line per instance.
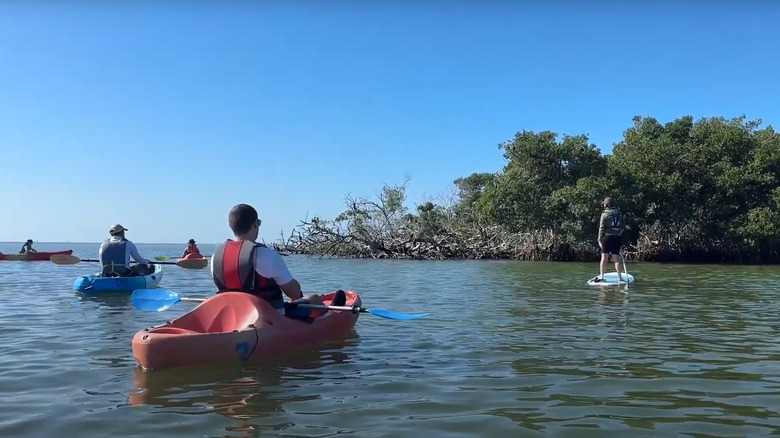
(688, 351)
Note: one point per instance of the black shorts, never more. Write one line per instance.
(611, 244)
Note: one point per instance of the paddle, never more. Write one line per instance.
(65, 259)
(164, 258)
(625, 269)
(155, 300)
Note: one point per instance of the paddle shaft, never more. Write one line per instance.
(309, 306)
(355, 309)
(625, 269)
(154, 263)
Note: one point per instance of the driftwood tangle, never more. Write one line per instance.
(383, 228)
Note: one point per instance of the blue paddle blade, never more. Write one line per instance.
(154, 300)
(396, 315)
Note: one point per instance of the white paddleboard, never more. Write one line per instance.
(611, 279)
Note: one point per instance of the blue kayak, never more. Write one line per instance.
(91, 284)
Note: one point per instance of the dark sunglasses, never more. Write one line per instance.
(259, 221)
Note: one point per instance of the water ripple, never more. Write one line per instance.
(510, 349)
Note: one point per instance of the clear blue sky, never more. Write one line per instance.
(163, 115)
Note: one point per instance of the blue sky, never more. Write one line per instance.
(163, 115)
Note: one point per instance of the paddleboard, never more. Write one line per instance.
(611, 279)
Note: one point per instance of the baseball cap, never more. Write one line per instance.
(117, 229)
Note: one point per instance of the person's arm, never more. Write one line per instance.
(622, 222)
(603, 224)
(134, 253)
(270, 264)
(292, 289)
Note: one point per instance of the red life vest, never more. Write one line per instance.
(234, 270)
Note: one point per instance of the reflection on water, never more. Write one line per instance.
(253, 395)
(115, 302)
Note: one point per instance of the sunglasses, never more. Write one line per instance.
(259, 222)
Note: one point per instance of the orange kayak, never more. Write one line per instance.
(195, 261)
(235, 326)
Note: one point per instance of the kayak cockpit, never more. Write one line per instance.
(225, 312)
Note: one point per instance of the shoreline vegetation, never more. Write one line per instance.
(704, 191)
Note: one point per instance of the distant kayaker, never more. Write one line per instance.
(115, 255)
(27, 247)
(192, 248)
(247, 266)
(611, 226)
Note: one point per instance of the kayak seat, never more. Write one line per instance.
(223, 312)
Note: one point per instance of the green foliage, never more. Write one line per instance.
(705, 189)
(432, 218)
(471, 188)
(691, 190)
(524, 196)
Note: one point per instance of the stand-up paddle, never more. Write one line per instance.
(65, 259)
(155, 300)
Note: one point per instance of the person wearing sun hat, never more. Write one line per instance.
(192, 248)
(611, 226)
(115, 254)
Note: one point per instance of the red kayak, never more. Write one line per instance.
(33, 256)
(236, 326)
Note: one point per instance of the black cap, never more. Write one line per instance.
(191, 241)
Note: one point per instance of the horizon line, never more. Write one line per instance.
(137, 243)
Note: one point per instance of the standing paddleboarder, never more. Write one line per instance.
(611, 228)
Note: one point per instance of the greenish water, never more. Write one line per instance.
(511, 349)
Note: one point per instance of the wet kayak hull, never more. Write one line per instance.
(94, 284)
(236, 327)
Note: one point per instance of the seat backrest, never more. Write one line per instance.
(223, 312)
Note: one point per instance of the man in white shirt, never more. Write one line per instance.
(244, 265)
(115, 254)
